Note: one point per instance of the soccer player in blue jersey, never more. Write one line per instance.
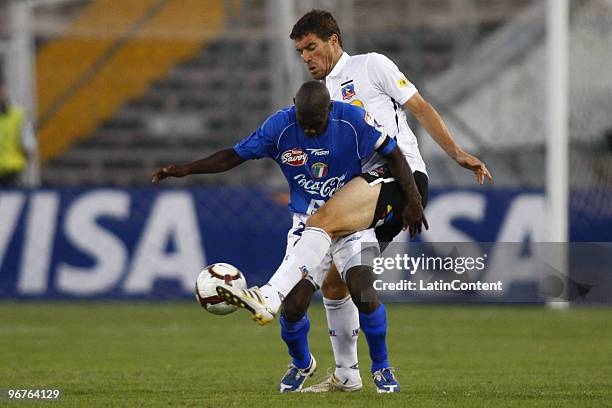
(320, 146)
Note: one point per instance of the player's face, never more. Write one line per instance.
(317, 54)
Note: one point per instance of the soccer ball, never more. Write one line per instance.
(207, 282)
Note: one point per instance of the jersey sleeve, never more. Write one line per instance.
(388, 79)
(262, 142)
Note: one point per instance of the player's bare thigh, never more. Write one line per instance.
(350, 209)
(333, 286)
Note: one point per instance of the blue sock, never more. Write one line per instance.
(374, 327)
(295, 336)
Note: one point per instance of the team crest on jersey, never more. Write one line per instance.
(319, 170)
(294, 157)
(348, 90)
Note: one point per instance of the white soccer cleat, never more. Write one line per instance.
(251, 299)
(334, 384)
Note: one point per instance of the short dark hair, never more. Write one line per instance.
(311, 101)
(318, 22)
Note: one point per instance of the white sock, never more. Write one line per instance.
(343, 323)
(305, 256)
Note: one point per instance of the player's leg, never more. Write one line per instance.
(294, 332)
(353, 250)
(350, 209)
(373, 323)
(343, 324)
(265, 302)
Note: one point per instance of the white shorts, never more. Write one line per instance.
(359, 248)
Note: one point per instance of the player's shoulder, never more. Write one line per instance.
(375, 60)
(281, 118)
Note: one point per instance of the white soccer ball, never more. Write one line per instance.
(207, 282)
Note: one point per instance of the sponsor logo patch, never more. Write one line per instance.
(356, 237)
(322, 188)
(318, 152)
(294, 157)
(403, 82)
(319, 170)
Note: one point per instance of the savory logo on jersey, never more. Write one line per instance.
(318, 152)
(325, 189)
(319, 170)
(403, 82)
(348, 90)
(294, 157)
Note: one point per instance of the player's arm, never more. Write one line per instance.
(432, 122)
(218, 162)
(261, 143)
(413, 214)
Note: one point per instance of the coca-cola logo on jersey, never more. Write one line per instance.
(294, 157)
(323, 188)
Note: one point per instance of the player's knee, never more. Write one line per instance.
(334, 288)
(292, 311)
(322, 220)
(360, 281)
(296, 303)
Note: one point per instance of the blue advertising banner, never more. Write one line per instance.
(152, 243)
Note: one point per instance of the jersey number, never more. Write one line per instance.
(314, 206)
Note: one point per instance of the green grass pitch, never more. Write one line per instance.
(176, 354)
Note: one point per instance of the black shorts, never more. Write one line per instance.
(387, 219)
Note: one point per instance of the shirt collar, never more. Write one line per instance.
(339, 65)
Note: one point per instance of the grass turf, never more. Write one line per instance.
(124, 354)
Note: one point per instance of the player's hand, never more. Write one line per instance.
(171, 170)
(470, 162)
(414, 218)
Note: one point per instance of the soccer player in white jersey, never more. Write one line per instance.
(355, 206)
(373, 82)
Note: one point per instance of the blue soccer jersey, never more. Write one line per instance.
(316, 167)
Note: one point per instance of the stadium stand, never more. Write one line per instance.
(219, 91)
(514, 127)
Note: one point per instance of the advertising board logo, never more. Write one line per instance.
(294, 157)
